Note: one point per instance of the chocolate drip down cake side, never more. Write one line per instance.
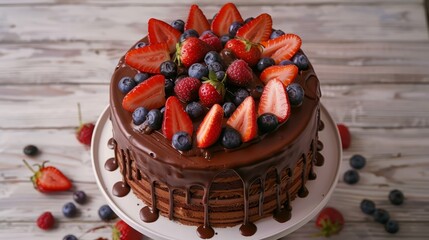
(215, 123)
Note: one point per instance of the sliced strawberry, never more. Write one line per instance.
(175, 119)
(224, 18)
(257, 30)
(160, 31)
(282, 48)
(149, 94)
(210, 128)
(197, 20)
(149, 58)
(274, 100)
(286, 74)
(49, 179)
(191, 51)
(243, 119)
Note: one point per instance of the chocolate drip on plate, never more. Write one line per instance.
(111, 164)
(120, 189)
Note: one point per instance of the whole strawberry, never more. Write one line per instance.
(213, 41)
(49, 179)
(45, 221)
(211, 91)
(239, 73)
(344, 135)
(122, 231)
(243, 49)
(84, 131)
(191, 51)
(186, 89)
(330, 221)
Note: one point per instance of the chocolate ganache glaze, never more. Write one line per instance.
(215, 186)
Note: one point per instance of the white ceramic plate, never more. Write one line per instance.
(303, 209)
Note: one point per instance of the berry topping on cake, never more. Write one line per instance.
(126, 84)
(49, 179)
(186, 89)
(212, 40)
(178, 24)
(168, 69)
(234, 28)
(139, 115)
(198, 70)
(230, 138)
(149, 94)
(224, 18)
(264, 63)
(197, 20)
(296, 94)
(276, 33)
(195, 110)
(244, 120)
(301, 61)
(153, 119)
(187, 34)
(211, 91)
(210, 128)
(246, 50)
(162, 32)
(228, 109)
(274, 100)
(267, 122)
(191, 51)
(257, 30)
(175, 119)
(286, 74)
(239, 73)
(149, 58)
(182, 141)
(282, 48)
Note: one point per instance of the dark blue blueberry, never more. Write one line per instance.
(69, 210)
(140, 45)
(267, 122)
(168, 69)
(234, 28)
(351, 176)
(248, 19)
(239, 96)
(70, 237)
(367, 206)
(169, 87)
(106, 213)
(188, 33)
(79, 197)
(126, 84)
(31, 150)
(257, 92)
(295, 94)
(198, 70)
(141, 77)
(215, 67)
(220, 75)
(228, 109)
(391, 226)
(212, 57)
(178, 24)
(357, 161)
(285, 62)
(182, 141)
(224, 39)
(264, 63)
(230, 138)
(396, 197)
(276, 33)
(301, 61)
(194, 110)
(381, 215)
(139, 115)
(162, 110)
(154, 119)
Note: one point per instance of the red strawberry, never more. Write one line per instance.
(274, 100)
(197, 20)
(210, 128)
(84, 131)
(286, 74)
(49, 179)
(149, 94)
(186, 89)
(149, 58)
(224, 18)
(213, 41)
(211, 91)
(243, 119)
(257, 30)
(160, 31)
(192, 50)
(345, 135)
(330, 221)
(122, 231)
(175, 119)
(46, 221)
(282, 48)
(249, 52)
(239, 73)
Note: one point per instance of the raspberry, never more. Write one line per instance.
(345, 135)
(213, 41)
(46, 221)
(84, 133)
(239, 73)
(186, 89)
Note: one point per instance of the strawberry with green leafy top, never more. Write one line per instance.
(330, 221)
(191, 51)
(212, 90)
(49, 179)
(122, 231)
(246, 50)
(197, 20)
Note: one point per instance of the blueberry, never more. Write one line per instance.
(285, 62)
(70, 237)
(228, 109)
(276, 33)
(239, 96)
(188, 33)
(248, 19)
(215, 67)
(367, 206)
(351, 176)
(220, 75)
(106, 213)
(396, 197)
(69, 210)
(391, 226)
(79, 197)
(31, 150)
(141, 77)
(234, 27)
(169, 87)
(264, 63)
(230, 138)
(139, 115)
(168, 69)
(154, 119)
(194, 110)
(267, 122)
(257, 92)
(178, 24)
(140, 45)
(357, 161)
(295, 94)
(182, 141)
(224, 39)
(198, 70)
(301, 61)
(126, 84)
(381, 215)
(211, 57)
(162, 110)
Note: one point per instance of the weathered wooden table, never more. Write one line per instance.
(372, 58)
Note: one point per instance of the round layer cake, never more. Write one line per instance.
(217, 186)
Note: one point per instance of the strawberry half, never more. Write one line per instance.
(175, 119)
(257, 30)
(149, 58)
(191, 51)
(224, 18)
(149, 94)
(160, 31)
(210, 128)
(122, 231)
(282, 48)
(274, 100)
(49, 179)
(197, 20)
(243, 119)
(286, 74)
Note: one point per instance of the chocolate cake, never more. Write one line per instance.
(203, 174)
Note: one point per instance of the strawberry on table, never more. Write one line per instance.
(345, 135)
(197, 20)
(257, 30)
(84, 131)
(149, 94)
(224, 18)
(274, 100)
(49, 179)
(211, 127)
(149, 58)
(162, 32)
(211, 91)
(122, 231)
(246, 50)
(286, 74)
(175, 119)
(191, 51)
(243, 119)
(330, 221)
(282, 48)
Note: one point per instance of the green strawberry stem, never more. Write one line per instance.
(28, 166)
(177, 55)
(79, 112)
(218, 85)
(328, 228)
(250, 44)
